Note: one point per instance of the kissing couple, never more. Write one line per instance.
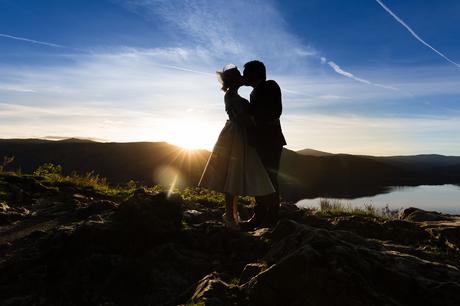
(246, 157)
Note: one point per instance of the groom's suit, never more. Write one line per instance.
(267, 137)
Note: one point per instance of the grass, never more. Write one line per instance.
(440, 251)
(338, 207)
(208, 197)
(3, 196)
(52, 175)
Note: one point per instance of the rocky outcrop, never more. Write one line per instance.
(418, 215)
(322, 267)
(10, 214)
(68, 245)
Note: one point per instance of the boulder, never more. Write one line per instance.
(96, 207)
(151, 213)
(251, 270)
(213, 291)
(400, 231)
(419, 215)
(23, 189)
(449, 235)
(10, 214)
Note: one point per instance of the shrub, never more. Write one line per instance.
(337, 207)
(48, 169)
(206, 196)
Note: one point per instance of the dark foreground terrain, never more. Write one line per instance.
(68, 244)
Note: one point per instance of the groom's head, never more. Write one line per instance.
(254, 73)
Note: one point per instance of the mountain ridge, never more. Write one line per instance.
(301, 176)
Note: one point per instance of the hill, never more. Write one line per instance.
(311, 152)
(301, 176)
(145, 162)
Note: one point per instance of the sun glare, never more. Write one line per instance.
(192, 134)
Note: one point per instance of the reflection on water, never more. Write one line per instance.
(442, 198)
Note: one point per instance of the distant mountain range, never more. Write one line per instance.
(145, 162)
(305, 173)
(311, 152)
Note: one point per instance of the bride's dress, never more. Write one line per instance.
(234, 166)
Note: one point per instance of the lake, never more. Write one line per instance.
(442, 198)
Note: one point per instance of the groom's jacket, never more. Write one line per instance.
(266, 108)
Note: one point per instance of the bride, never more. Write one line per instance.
(234, 167)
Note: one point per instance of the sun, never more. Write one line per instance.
(191, 134)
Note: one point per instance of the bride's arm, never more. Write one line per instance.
(242, 115)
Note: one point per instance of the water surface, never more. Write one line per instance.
(442, 198)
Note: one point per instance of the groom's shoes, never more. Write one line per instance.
(257, 219)
(272, 215)
(251, 224)
(262, 218)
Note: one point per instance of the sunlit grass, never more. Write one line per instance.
(210, 197)
(338, 207)
(52, 175)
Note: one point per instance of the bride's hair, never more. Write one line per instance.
(228, 76)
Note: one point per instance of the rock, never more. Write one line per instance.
(10, 214)
(290, 211)
(394, 230)
(212, 291)
(251, 270)
(151, 213)
(81, 247)
(313, 266)
(418, 215)
(193, 216)
(23, 189)
(97, 207)
(315, 221)
(449, 235)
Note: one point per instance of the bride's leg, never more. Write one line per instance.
(236, 216)
(229, 207)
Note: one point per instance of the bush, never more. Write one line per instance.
(206, 196)
(48, 169)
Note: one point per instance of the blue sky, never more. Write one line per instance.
(364, 77)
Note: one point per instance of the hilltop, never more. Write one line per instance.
(304, 174)
(77, 241)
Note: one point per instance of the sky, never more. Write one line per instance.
(376, 77)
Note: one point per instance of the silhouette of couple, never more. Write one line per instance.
(246, 157)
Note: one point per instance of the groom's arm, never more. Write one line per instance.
(271, 106)
(274, 96)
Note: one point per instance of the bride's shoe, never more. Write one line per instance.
(230, 222)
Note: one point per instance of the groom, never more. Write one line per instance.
(266, 137)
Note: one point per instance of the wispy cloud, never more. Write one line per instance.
(14, 88)
(44, 43)
(351, 76)
(131, 95)
(257, 31)
(415, 34)
(231, 31)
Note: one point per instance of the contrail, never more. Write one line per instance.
(184, 69)
(351, 76)
(345, 73)
(84, 51)
(415, 34)
(33, 41)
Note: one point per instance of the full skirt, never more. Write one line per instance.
(234, 166)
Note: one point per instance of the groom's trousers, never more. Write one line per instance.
(266, 207)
